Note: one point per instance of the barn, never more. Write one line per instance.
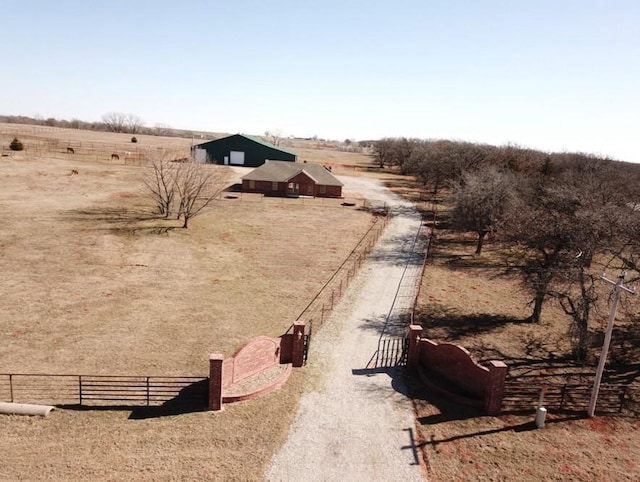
(241, 150)
(278, 178)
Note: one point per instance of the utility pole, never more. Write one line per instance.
(618, 286)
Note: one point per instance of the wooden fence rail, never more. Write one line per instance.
(102, 390)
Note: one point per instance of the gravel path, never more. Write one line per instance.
(356, 423)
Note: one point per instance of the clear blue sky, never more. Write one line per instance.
(547, 74)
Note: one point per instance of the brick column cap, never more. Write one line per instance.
(497, 364)
(216, 356)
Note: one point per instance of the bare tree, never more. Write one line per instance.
(133, 124)
(383, 150)
(274, 136)
(480, 199)
(160, 181)
(120, 122)
(115, 121)
(197, 185)
(559, 231)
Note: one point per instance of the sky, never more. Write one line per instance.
(553, 75)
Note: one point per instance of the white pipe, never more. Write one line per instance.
(24, 409)
(541, 415)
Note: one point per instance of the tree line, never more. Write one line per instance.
(110, 122)
(563, 217)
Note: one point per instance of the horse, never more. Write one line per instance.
(74, 172)
(115, 157)
(70, 150)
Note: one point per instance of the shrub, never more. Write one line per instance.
(134, 139)
(16, 145)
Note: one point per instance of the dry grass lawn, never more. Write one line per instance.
(468, 300)
(93, 284)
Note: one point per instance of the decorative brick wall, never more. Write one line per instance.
(256, 356)
(451, 370)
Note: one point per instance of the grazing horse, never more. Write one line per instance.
(70, 150)
(115, 156)
(74, 172)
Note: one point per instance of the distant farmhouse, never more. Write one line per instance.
(241, 150)
(278, 178)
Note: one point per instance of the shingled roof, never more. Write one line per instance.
(282, 171)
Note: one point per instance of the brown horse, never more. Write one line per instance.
(115, 157)
(74, 172)
(70, 150)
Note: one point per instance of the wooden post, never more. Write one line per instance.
(215, 381)
(298, 343)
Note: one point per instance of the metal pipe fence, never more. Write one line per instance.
(101, 390)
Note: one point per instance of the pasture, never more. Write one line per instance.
(468, 300)
(94, 283)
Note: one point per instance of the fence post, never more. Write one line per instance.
(80, 389)
(148, 395)
(298, 343)
(11, 386)
(413, 357)
(623, 395)
(215, 381)
(494, 391)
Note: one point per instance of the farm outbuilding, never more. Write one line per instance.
(277, 178)
(241, 150)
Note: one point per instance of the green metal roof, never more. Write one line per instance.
(268, 144)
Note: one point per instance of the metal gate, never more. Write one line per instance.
(307, 343)
(392, 352)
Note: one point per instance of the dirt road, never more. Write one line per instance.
(354, 422)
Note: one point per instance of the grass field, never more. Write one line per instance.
(94, 284)
(468, 300)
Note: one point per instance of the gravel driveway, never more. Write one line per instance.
(354, 422)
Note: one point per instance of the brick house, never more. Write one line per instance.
(292, 179)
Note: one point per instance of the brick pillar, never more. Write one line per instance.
(413, 358)
(215, 381)
(298, 343)
(494, 391)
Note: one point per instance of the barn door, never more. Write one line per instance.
(236, 158)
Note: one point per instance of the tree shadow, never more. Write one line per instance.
(411, 252)
(394, 325)
(453, 326)
(121, 221)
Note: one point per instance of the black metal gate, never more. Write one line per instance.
(392, 352)
(307, 343)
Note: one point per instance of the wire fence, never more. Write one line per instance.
(113, 153)
(323, 303)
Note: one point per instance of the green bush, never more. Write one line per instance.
(16, 145)
(134, 139)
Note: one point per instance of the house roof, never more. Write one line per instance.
(282, 171)
(253, 139)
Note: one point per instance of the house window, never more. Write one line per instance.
(323, 189)
(252, 184)
(274, 186)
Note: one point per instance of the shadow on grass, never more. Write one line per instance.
(122, 221)
(191, 399)
(454, 326)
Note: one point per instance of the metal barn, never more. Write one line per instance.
(242, 150)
